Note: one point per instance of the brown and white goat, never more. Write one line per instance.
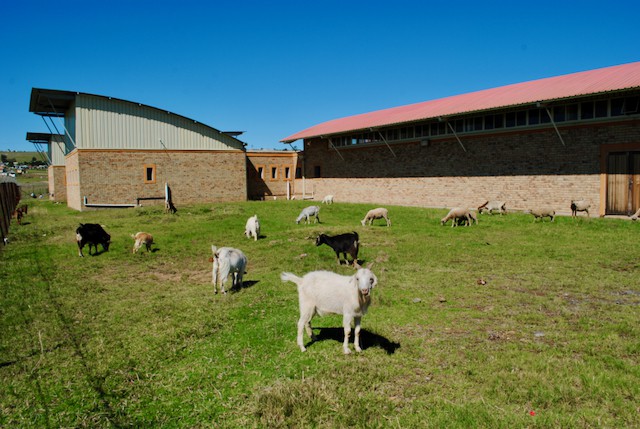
(140, 239)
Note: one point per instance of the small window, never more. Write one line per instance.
(150, 173)
(544, 116)
(534, 117)
(287, 173)
(298, 172)
(510, 120)
(261, 172)
(602, 109)
(316, 171)
(478, 123)
(586, 110)
(572, 112)
(274, 173)
(521, 118)
(488, 122)
(559, 114)
(498, 121)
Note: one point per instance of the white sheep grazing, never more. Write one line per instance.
(328, 199)
(379, 213)
(490, 206)
(252, 228)
(324, 292)
(461, 214)
(636, 215)
(542, 213)
(227, 260)
(579, 206)
(307, 212)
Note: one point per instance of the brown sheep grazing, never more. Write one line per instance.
(140, 239)
(542, 213)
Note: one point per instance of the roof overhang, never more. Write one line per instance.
(41, 138)
(50, 102)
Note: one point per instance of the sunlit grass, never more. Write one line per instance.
(139, 340)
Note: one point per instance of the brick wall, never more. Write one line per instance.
(72, 173)
(278, 171)
(57, 183)
(120, 176)
(526, 169)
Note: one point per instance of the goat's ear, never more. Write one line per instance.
(369, 265)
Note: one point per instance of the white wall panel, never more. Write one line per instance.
(104, 123)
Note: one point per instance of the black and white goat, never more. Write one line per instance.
(342, 243)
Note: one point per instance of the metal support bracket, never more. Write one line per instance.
(554, 126)
(385, 142)
(456, 136)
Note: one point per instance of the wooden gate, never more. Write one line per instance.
(623, 182)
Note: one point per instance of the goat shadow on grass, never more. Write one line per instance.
(367, 339)
(95, 253)
(245, 285)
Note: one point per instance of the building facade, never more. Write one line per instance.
(272, 174)
(540, 143)
(120, 153)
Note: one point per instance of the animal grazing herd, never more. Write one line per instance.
(319, 292)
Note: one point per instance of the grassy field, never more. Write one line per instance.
(139, 340)
(22, 157)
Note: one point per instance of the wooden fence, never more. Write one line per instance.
(9, 199)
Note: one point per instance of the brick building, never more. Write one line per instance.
(118, 153)
(543, 142)
(272, 174)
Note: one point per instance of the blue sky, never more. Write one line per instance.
(275, 68)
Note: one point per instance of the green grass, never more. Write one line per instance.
(22, 157)
(124, 340)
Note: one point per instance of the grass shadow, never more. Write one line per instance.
(367, 339)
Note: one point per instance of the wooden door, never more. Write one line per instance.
(623, 182)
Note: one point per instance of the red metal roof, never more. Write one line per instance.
(607, 79)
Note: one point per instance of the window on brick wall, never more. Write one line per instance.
(150, 173)
(260, 169)
(287, 173)
(274, 173)
(317, 171)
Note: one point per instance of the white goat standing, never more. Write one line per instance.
(227, 260)
(307, 212)
(328, 199)
(252, 228)
(324, 292)
(379, 213)
(490, 206)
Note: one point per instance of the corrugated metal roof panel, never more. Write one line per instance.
(607, 79)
